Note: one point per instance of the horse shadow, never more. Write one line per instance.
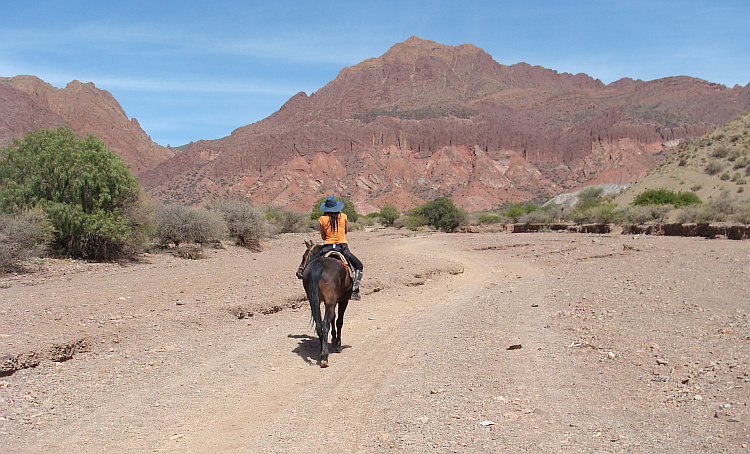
(308, 347)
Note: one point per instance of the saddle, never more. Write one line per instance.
(341, 258)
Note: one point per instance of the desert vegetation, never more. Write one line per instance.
(87, 194)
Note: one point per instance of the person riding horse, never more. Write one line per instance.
(333, 228)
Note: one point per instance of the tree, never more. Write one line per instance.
(388, 214)
(87, 192)
(440, 213)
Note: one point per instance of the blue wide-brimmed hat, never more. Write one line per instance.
(331, 205)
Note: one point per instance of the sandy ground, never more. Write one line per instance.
(489, 342)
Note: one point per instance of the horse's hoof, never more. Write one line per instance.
(323, 363)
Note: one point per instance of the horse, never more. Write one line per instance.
(326, 280)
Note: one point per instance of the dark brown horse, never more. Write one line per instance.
(326, 280)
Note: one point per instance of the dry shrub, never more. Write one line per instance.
(22, 237)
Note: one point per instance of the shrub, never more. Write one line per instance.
(86, 191)
(389, 214)
(713, 167)
(589, 197)
(534, 217)
(178, 224)
(742, 213)
(516, 210)
(601, 214)
(487, 218)
(246, 224)
(720, 152)
(666, 197)
(645, 213)
(442, 214)
(287, 221)
(21, 237)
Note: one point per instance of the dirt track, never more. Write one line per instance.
(466, 343)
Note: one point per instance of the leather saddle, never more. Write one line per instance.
(341, 258)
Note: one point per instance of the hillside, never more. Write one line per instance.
(420, 121)
(714, 165)
(27, 103)
(426, 120)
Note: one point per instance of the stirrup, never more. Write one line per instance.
(355, 295)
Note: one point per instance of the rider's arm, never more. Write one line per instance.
(322, 232)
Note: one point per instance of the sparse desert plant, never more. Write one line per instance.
(534, 217)
(713, 167)
(741, 213)
(642, 214)
(246, 224)
(22, 237)
(287, 221)
(554, 212)
(720, 152)
(177, 224)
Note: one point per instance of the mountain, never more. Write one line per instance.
(714, 166)
(27, 103)
(427, 120)
(421, 121)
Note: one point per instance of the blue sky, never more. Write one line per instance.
(194, 70)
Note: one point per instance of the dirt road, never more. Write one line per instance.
(463, 343)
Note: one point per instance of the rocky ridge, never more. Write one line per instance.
(427, 120)
(421, 121)
(28, 103)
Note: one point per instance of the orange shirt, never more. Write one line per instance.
(331, 237)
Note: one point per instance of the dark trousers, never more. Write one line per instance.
(344, 249)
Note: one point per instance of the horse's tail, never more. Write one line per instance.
(313, 293)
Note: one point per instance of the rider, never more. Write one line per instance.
(333, 228)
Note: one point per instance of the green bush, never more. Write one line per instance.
(441, 213)
(176, 224)
(514, 211)
(389, 214)
(666, 197)
(414, 221)
(487, 218)
(589, 198)
(246, 224)
(86, 191)
(351, 212)
(22, 237)
(606, 213)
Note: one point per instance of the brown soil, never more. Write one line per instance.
(489, 342)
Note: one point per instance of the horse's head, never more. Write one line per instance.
(305, 258)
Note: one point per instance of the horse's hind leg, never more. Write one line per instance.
(339, 326)
(327, 319)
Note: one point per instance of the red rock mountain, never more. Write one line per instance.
(27, 103)
(421, 121)
(427, 120)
